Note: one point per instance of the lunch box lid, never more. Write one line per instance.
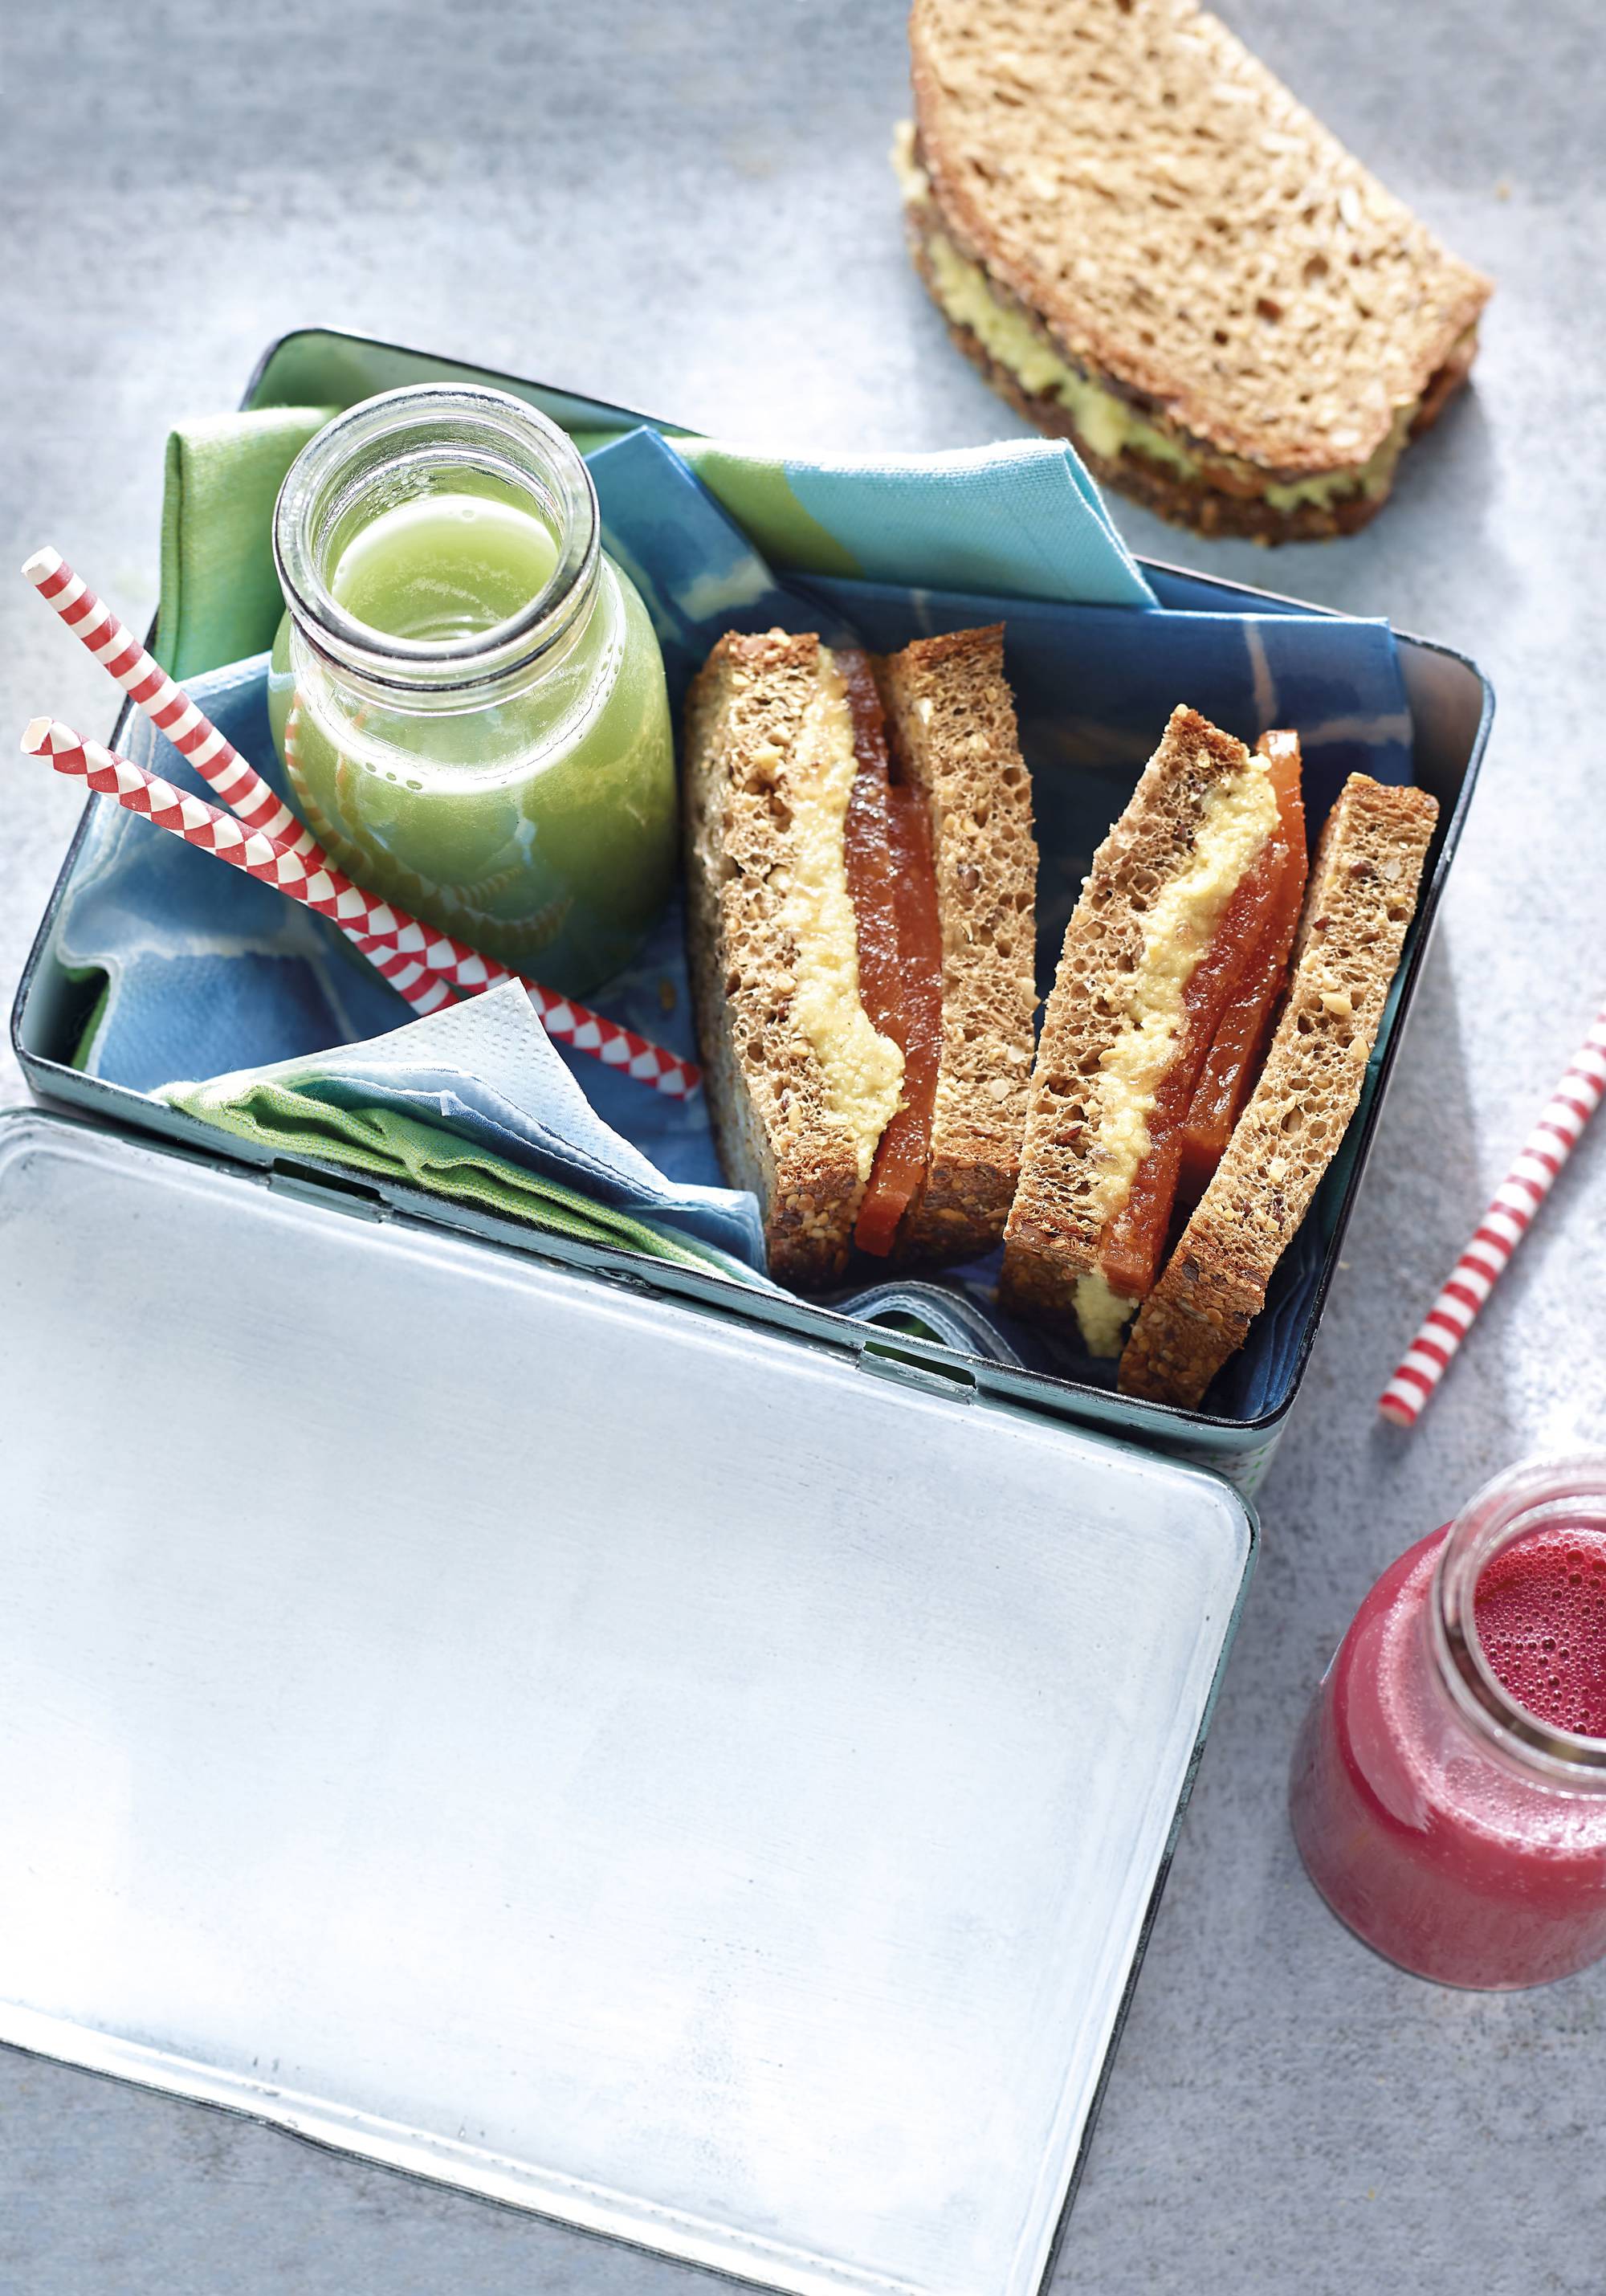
(704, 1783)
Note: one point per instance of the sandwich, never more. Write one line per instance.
(862, 883)
(1362, 896)
(1150, 248)
(1157, 1046)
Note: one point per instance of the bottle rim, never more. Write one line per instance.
(1537, 1496)
(380, 447)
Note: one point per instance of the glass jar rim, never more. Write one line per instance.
(1524, 1500)
(406, 424)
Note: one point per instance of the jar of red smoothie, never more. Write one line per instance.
(1448, 1790)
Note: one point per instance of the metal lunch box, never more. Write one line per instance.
(675, 1759)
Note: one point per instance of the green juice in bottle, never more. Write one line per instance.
(480, 728)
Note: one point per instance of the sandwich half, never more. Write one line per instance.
(1149, 247)
(1363, 895)
(862, 877)
(1181, 894)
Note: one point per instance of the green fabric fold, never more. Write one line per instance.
(385, 1144)
(220, 599)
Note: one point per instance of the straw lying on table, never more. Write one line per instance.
(423, 963)
(1554, 1137)
(328, 892)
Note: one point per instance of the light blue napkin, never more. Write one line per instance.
(435, 1071)
(1020, 519)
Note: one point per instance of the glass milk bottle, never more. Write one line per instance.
(1448, 1791)
(467, 691)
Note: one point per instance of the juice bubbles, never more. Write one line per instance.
(1448, 1789)
(481, 729)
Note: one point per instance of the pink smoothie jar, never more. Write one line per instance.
(1448, 1788)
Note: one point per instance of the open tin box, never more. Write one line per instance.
(669, 1756)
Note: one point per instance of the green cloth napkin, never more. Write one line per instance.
(384, 1141)
(220, 596)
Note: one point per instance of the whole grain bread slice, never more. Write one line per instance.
(951, 720)
(1362, 896)
(1053, 1235)
(1184, 229)
(767, 1092)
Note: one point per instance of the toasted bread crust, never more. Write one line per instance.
(1362, 896)
(767, 1091)
(952, 721)
(1183, 226)
(1053, 1235)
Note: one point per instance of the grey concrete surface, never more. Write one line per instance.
(687, 208)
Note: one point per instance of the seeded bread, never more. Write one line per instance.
(951, 718)
(1188, 235)
(766, 1088)
(1053, 1236)
(1362, 896)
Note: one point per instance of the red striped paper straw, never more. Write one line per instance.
(330, 894)
(1502, 1228)
(167, 705)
